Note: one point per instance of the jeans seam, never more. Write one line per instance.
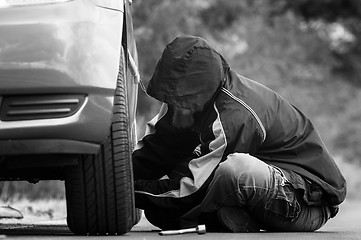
(267, 197)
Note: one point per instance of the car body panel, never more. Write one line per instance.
(35, 39)
(72, 47)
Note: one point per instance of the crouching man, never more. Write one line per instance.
(228, 152)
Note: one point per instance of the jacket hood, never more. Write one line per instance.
(188, 73)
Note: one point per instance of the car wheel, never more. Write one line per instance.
(99, 190)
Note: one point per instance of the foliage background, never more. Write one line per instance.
(309, 51)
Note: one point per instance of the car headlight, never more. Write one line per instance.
(18, 3)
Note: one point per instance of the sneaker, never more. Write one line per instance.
(237, 219)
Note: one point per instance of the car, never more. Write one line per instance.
(68, 96)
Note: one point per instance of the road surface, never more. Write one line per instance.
(347, 226)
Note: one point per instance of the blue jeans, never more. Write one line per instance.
(247, 182)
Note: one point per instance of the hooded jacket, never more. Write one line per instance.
(172, 167)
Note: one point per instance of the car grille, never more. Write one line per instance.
(29, 107)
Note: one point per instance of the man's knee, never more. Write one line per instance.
(243, 167)
(238, 163)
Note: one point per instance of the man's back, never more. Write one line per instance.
(286, 137)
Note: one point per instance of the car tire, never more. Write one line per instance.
(99, 190)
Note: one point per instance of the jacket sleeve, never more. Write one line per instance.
(149, 162)
(146, 190)
(171, 153)
(245, 132)
(249, 137)
(162, 148)
(157, 172)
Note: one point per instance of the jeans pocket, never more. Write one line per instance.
(284, 204)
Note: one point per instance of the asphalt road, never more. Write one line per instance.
(347, 226)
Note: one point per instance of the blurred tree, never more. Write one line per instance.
(220, 15)
(340, 21)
